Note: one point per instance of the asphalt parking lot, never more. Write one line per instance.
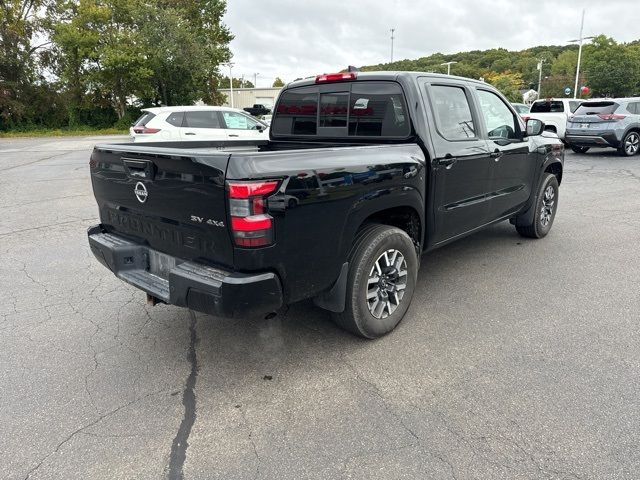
(517, 358)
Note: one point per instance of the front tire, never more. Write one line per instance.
(383, 268)
(545, 209)
(577, 149)
(630, 144)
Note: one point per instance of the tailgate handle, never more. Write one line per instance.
(139, 168)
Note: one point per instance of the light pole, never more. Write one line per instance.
(448, 64)
(255, 80)
(392, 37)
(540, 62)
(579, 42)
(230, 64)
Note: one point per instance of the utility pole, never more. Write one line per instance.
(540, 62)
(448, 64)
(255, 80)
(231, 81)
(242, 81)
(392, 37)
(579, 42)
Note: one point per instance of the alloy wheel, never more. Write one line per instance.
(386, 283)
(548, 202)
(632, 144)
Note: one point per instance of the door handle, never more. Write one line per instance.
(496, 154)
(448, 161)
(189, 133)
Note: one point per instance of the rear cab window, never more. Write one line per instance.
(343, 109)
(547, 106)
(595, 108)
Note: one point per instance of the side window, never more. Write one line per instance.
(573, 105)
(175, 119)
(499, 119)
(202, 119)
(453, 114)
(634, 107)
(237, 121)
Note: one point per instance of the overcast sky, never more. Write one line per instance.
(298, 38)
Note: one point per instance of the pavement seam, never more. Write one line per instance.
(181, 441)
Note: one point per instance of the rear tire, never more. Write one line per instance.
(383, 268)
(580, 149)
(545, 209)
(630, 144)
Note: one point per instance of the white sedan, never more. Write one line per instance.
(166, 124)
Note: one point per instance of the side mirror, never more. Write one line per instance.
(534, 127)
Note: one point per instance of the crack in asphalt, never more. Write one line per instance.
(181, 440)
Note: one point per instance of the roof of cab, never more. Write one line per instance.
(385, 75)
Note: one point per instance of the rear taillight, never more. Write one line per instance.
(335, 77)
(144, 129)
(611, 116)
(251, 226)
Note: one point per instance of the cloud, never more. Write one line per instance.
(292, 39)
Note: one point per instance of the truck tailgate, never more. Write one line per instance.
(171, 200)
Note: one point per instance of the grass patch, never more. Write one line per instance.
(63, 132)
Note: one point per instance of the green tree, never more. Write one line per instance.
(610, 68)
(19, 25)
(278, 82)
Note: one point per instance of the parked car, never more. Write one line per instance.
(167, 124)
(554, 112)
(611, 123)
(258, 109)
(384, 166)
(521, 108)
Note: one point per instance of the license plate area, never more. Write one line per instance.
(584, 125)
(160, 264)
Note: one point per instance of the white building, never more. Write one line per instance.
(247, 97)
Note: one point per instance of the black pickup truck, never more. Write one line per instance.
(257, 109)
(363, 172)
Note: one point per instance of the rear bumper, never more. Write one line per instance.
(188, 284)
(602, 140)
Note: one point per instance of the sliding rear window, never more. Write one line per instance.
(595, 108)
(358, 109)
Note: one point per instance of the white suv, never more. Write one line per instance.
(166, 124)
(554, 112)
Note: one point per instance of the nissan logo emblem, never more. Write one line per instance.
(141, 192)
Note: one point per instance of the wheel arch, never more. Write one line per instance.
(408, 215)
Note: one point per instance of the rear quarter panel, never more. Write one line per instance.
(324, 196)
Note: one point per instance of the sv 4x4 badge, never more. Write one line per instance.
(208, 221)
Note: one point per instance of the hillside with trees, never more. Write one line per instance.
(608, 68)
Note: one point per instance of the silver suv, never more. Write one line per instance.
(606, 123)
